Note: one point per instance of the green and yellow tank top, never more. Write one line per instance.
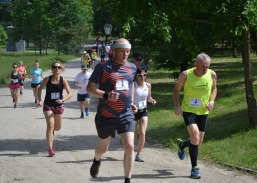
(85, 59)
(93, 55)
(197, 91)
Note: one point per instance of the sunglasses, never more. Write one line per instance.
(56, 67)
(143, 67)
(142, 75)
(14, 66)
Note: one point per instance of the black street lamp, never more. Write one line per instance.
(107, 30)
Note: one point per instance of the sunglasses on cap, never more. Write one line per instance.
(142, 75)
(56, 67)
(143, 67)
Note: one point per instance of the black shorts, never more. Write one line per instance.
(82, 97)
(199, 120)
(34, 85)
(109, 126)
(141, 113)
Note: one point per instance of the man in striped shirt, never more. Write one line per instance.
(112, 82)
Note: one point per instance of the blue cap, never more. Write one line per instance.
(83, 66)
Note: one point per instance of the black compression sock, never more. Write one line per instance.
(193, 152)
(95, 161)
(127, 180)
(185, 143)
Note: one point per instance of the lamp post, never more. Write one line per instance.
(107, 30)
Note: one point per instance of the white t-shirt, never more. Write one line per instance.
(82, 80)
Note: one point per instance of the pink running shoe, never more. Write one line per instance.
(51, 153)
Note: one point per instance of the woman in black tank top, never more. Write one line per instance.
(54, 102)
(14, 85)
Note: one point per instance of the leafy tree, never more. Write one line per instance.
(103, 15)
(5, 12)
(240, 18)
(178, 30)
(3, 35)
(45, 21)
(71, 27)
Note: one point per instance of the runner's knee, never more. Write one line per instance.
(129, 147)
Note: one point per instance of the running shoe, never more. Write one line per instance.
(195, 174)
(181, 152)
(82, 115)
(94, 170)
(15, 106)
(138, 158)
(21, 93)
(51, 152)
(87, 111)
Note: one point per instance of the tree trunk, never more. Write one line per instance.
(222, 45)
(251, 102)
(40, 46)
(234, 47)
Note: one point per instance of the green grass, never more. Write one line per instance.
(8, 58)
(228, 138)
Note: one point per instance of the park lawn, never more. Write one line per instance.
(8, 58)
(228, 138)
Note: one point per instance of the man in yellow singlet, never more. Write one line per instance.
(85, 59)
(200, 91)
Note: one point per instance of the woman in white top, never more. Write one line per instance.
(142, 95)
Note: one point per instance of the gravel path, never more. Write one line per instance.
(23, 148)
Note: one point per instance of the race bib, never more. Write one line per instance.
(55, 95)
(122, 85)
(195, 102)
(15, 80)
(142, 104)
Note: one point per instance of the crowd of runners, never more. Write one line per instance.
(123, 94)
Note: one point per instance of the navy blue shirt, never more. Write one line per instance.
(119, 78)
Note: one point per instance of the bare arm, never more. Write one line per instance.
(149, 97)
(43, 84)
(68, 90)
(42, 75)
(32, 76)
(76, 84)
(213, 92)
(133, 91)
(133, 106)
(176, 92)
(94, 90)
(9, 76)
